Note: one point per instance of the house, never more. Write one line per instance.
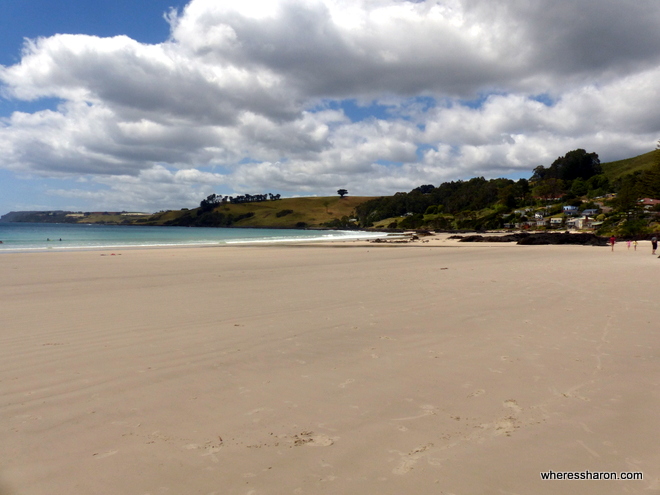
(571, 210)
(649, 203)
(580, 223)
(538, 215)
(586, 222)
(556, 221)
(591, 212)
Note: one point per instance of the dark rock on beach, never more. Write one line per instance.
(539, 239)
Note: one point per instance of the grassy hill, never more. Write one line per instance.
(307, 212)
(619, 168)
(311, 212)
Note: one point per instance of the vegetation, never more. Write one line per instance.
(576, 179)
(289, 213)
(616, 170)
(604, 196)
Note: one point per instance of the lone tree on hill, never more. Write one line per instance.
(342, 192)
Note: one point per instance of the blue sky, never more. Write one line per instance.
(21, 19)
(304, 97)
(31, 19)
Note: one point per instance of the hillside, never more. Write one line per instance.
(477, 198)
(310, 212)
(619, 168)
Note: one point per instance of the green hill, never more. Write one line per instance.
(327, 212)
(309, 212)
(619, 168)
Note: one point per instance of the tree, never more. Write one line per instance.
(627, 196)
(579, 187)
(425, 189)
(576, 163)
(342, 192)
(210, 202)
(549, 189)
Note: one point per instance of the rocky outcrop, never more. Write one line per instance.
(524, 238)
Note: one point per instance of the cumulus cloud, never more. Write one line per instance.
(257, 89)
(150, 190)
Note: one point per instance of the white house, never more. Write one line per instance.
(580, 223)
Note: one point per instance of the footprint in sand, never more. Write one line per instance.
(512, 404)
(347, 382)
(477, 393)
(310, 439)
(427, 410)
(321, 441)
(105, 454)
(411, 458)
(504, 426)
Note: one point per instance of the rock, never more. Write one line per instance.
(543, 238)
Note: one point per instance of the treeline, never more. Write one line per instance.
(487, 204)
(200, 218)
(454, 198)
(214, 200)
(637, 185)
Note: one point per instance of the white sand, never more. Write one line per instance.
(347, 369)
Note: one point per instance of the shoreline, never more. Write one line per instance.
(82, 245)
(387, 239)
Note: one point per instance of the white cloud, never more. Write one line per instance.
(254, 88)
(151, 190)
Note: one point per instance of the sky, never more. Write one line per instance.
(155, 104)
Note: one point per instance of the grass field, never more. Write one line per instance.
(313, 212)
(614, 170)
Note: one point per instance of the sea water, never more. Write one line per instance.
(45, 236)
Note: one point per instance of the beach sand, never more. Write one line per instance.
(349, 368)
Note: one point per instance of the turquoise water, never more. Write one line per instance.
(44, 236)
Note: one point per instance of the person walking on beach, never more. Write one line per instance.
(635, 244)
(627, 242)
(612, 241)
(654, 244)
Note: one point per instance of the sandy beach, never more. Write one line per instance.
(347, 368)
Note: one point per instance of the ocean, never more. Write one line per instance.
(53, 236)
